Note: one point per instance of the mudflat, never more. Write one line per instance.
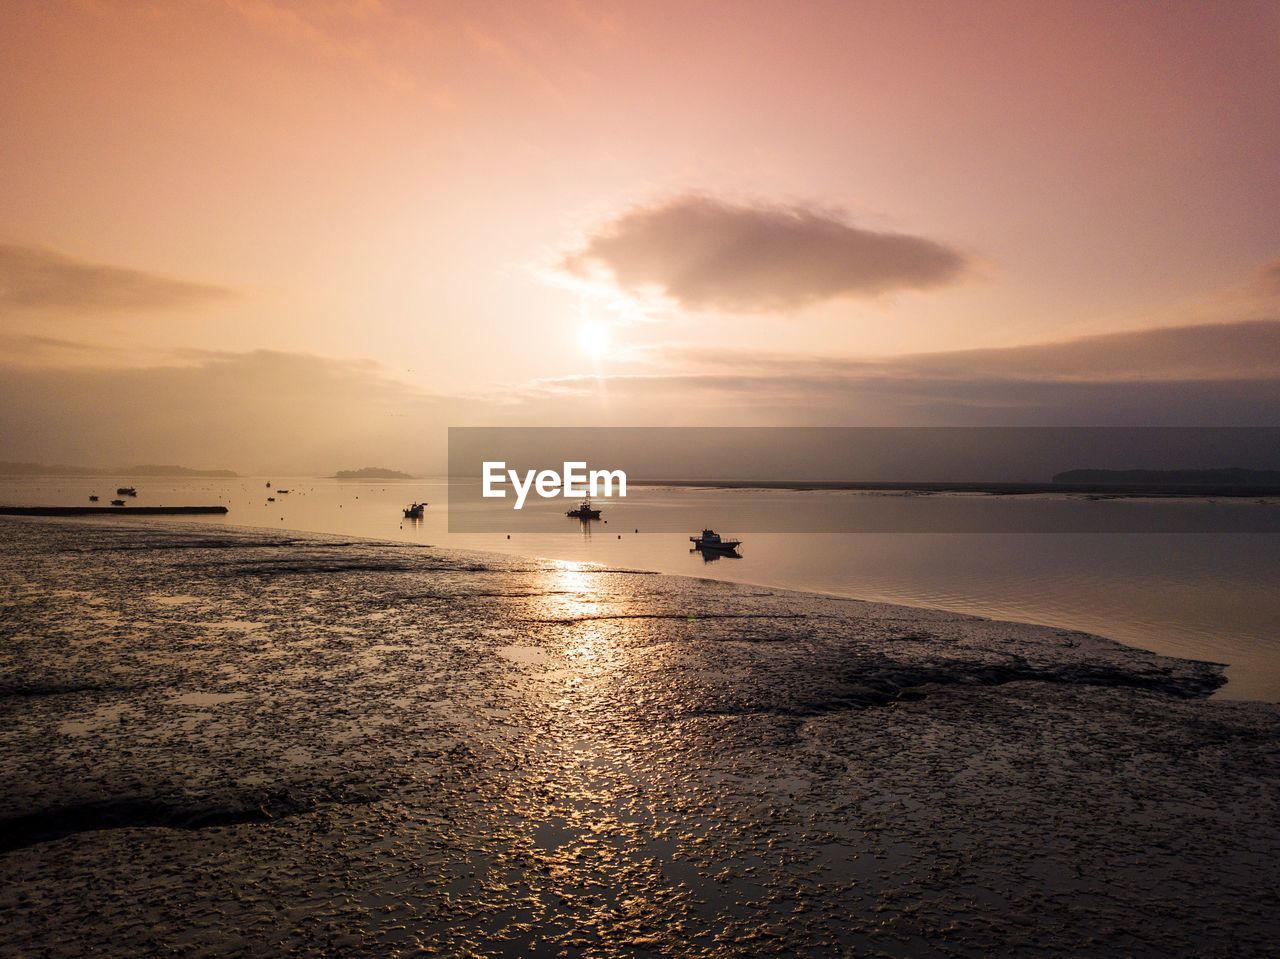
(219, 742)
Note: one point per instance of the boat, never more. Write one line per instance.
(282, 491)
(93, 499)
(126, 491)
(271, 499)
(711, 540)
(584, 511)
(117, 502)
(414, 511)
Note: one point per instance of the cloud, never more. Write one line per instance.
(730, 399)
(280, 411)
(253, 410)
(709, 254)
(1208, 351)
(1269, 276)
(33, 279)
(1209, 375)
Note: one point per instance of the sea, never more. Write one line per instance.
(1211, 596)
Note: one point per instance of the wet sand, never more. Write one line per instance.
(220, 742)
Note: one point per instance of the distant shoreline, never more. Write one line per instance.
(109, 510)
(371, 473)
(992, 489)
(41, 470)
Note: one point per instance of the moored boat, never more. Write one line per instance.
(711, 540)
(126, 491)
(414, 511)
(584, 510)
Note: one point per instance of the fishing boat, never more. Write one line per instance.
(711, 540)
(414, 511)
(117, 502)
(584, 510)
(93, 499)
(126, 491)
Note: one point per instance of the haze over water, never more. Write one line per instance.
(1202, 596)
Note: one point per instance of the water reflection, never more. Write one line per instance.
(712, 555)
(594, 838)
(1205, 596)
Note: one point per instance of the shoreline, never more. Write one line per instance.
(1219, 694)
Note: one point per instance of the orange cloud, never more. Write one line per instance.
(33, 278)
(710, 254)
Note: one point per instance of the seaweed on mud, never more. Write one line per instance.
(36, 689)
(337, 567)
(895, 684)
(58, 822)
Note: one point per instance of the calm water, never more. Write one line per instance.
(1204, 595)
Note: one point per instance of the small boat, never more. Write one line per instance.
(271, 499)
(584, 511)
(282, 491)
(117, 502)
(93, 499)
(268, 484)
(711, 540)
(414, 511)
(126, 491)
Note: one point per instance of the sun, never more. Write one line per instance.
(593, 339)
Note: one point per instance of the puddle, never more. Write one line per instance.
(207, 699)
(525, 655)
(101, 718)
(180, 600)
(235, 625)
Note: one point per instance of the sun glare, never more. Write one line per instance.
(593, 339)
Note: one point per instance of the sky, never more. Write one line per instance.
(310, 236)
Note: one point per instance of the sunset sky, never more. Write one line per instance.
(270, 235)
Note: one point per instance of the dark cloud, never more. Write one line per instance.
(33, 278)
(1213, 375)
(709, 254)
(290, 411)
(1211, 351)
(720, 399)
